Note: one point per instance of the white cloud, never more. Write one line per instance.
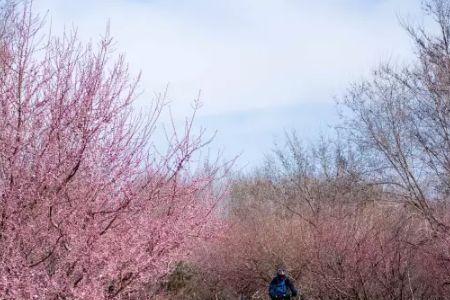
(245, 54)
(262, 65)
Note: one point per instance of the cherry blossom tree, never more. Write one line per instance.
(89, 207)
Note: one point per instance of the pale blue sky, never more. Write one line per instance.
(263, 66)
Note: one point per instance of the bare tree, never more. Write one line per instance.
(400, 120)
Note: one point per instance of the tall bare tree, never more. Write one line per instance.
(399, 119)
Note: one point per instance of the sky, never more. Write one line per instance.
(262, 67)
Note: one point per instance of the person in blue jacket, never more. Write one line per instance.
(281, 287)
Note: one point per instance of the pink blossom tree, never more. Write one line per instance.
(89, 208)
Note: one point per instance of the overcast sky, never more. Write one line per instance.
(263, 66)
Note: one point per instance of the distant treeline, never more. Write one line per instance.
(364, 215)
